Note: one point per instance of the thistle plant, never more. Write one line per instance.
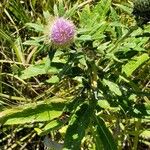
(62, 32)
(94, 95)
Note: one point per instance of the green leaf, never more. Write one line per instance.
(103, 8)
(17, 10)
(125, 8)
(56, 12)
(115, 17)
(104, 134)
(47, 15)
(104, 104)
(31, 42)
(61, 8)
(69, 13)
(113, 87)
(53, 79)
(145, 134)
(19, 50)
(35, 26)
(85, 38)
(38, 69)
(5, 36)
(133, 64)
(16, 45)
(147, 106)
(77, 126)
(47, 64)
(53, 125)
(33, 112)
(98, 142)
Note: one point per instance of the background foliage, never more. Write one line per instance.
(92, 95)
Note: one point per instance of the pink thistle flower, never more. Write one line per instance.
(62, 32)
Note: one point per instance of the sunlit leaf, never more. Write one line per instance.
(35, 70)
(36, 27)
(33, 112)
(145, 134)
(113, 87)
(53, 125)
(133, 64)
(53, 79)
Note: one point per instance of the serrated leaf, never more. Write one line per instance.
(69, 13)
(102, 8)
(113, 87)
(133, 64)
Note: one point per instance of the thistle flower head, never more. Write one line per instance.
(62, 32)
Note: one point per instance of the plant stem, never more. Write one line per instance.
(137, 128)
(84, 3)
(15, 98)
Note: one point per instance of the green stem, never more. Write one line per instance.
(136, 138)
(15, 98)
(94, 79)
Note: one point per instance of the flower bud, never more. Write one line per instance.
(62, 32)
